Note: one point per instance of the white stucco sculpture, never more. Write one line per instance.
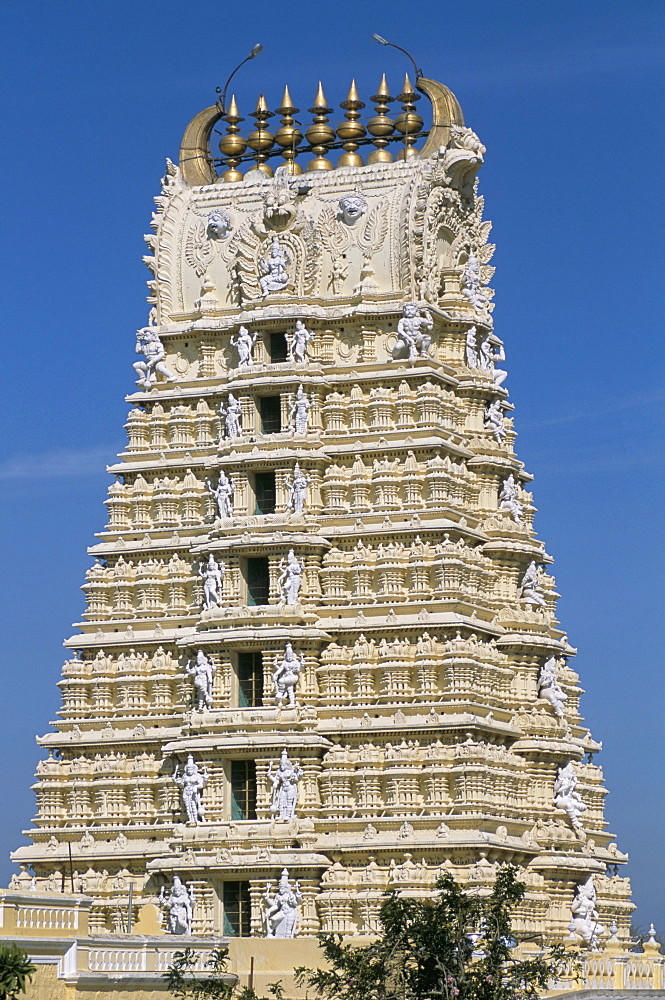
(299, 415)
(192, 781)
(290, 577)
(218, 225)
(150, 346)
(494, 420)
(530, 587)
(284, 781)
(472, 356)
(212, 574)
(273, 272)
(352, 207)
(297, 343)
(244, 344)
(550, 689)
(231, 414)
(413, 340)
(509, 498)
(584, 922)
(567, 797)
(471, 288)
(285, 675)
(202, 671)
(491, 350)
(281, 910)
(297, 487)
(223, 494)
(179, 906)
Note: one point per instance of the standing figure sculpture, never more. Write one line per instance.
(299, 415)
(281, 910)
(584, 922)
(285, 675)
(223, 494)
(179, 905)
(212, 574)
(494, 420)
(297, 343)
(550, 689)
(244, 345)
(202, 671)
(274, 276)
(491, 350)
(192, 782)
(150, 346)
(413, 341)
(472, 356)
(471, 289)
(231, 414)
(284, 783)
(567, 797)
(297, 487)
(530, 587)
(290, 578)
(509, 498)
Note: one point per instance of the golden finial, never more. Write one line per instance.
(409, 123)
(232, 145)
(381, 125)
(261, 108)
(382, 94)
(288, 136)
(351, 130)
(261, 140)
(320, 135)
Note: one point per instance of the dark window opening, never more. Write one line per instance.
(265, 493)
(250, 680)
(278, 348)
(237, 909)
(243, 789)
(258, 581)
(270, 408)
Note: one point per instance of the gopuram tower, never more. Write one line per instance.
(320, 655)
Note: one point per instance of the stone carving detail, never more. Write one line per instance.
(285, 675)
(491, 350)
(471, 284)
(290, 579)
(413, 340)
(494, 420)
(352, 207)
(463, 158)
(297, 343)
(150, 346)
(584, 923)
(299, 415)
(223, 494)
(567, 797)
(509, 498)
(244, 345)
(218, 224)
(231, 415)
(281, 910)
(297, 488)
(202, 671)
(531, 587)
(274, 276)
(212, 574)
(550, 689)
(204, 233)
(179, 906)
(284, 781)
(192, 781)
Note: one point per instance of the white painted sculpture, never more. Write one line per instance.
(285, 675)
(530, 587)
(231, 414)
(299, 415)
(567, 797)
(244, 344)
(584, 922)
(297, 487)
(273, 269)
(281, 910)
(472, 357)
(202, 671)
(494, 420)
(192, 782)
(297, 343)
(549, 688)
(509, 498)
(352, 207)
(150, 346)
(179, 905)
(284, 781)
(471, 289)
(223, 494)
(413, 340)
(491, 350)
(290, 578)
(218, 225)
(212, 574)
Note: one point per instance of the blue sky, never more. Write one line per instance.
(568, 99)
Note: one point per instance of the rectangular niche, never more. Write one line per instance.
(243, 789)
(270, 410)
(250, 680)
(237, 909)
(265, 493)
(278, 348)
(257, 575)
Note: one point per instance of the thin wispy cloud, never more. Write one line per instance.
(633, 402)
(59, 463)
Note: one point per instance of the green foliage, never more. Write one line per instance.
(459, 946)
(186, 984)
(16, 970)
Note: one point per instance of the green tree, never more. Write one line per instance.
(215, 984)
(16, 970)
(457, 946)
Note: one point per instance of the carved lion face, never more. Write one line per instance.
(219, 225)
(352, 207)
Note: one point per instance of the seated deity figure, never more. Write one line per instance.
(509, 498)
(285, 675)
(281, 910)
(297, 488)
(231, 414)
(244, 345)
(274, 276)
(202, 671)
(567, 797)
(584, 922)
(290, 578)
(150, 346)
(471, 288)
(550, 689)
(530, 588)
(413, 341)
(298, 341)
(299, 415)
(192, 782)
(284, 783)
(494, 420)
(212, 574)
(179, 905)
(223, 494)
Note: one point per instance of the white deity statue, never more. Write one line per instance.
(192, 782)
(352, 207)
(218, 225)
(179, 905)
(297, 343)
(202, 671)
(281, 910)
(285, 675)
(494, 420)
(509, 498)
(567, 797)
(274, 276)
(471, 289)
(413, 341)
(150, 346)
(244, 345)
(290, 578)
(284, 781)
(530, 587)
(584, 922)
(339, 272)
(550, 689)
(299, 415)
(297, 487)
(472, 356)
(491, 350)
(223, 494)
(212, 574)
(231, 414)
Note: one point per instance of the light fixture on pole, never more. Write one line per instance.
(384, 41)
(221, 101)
